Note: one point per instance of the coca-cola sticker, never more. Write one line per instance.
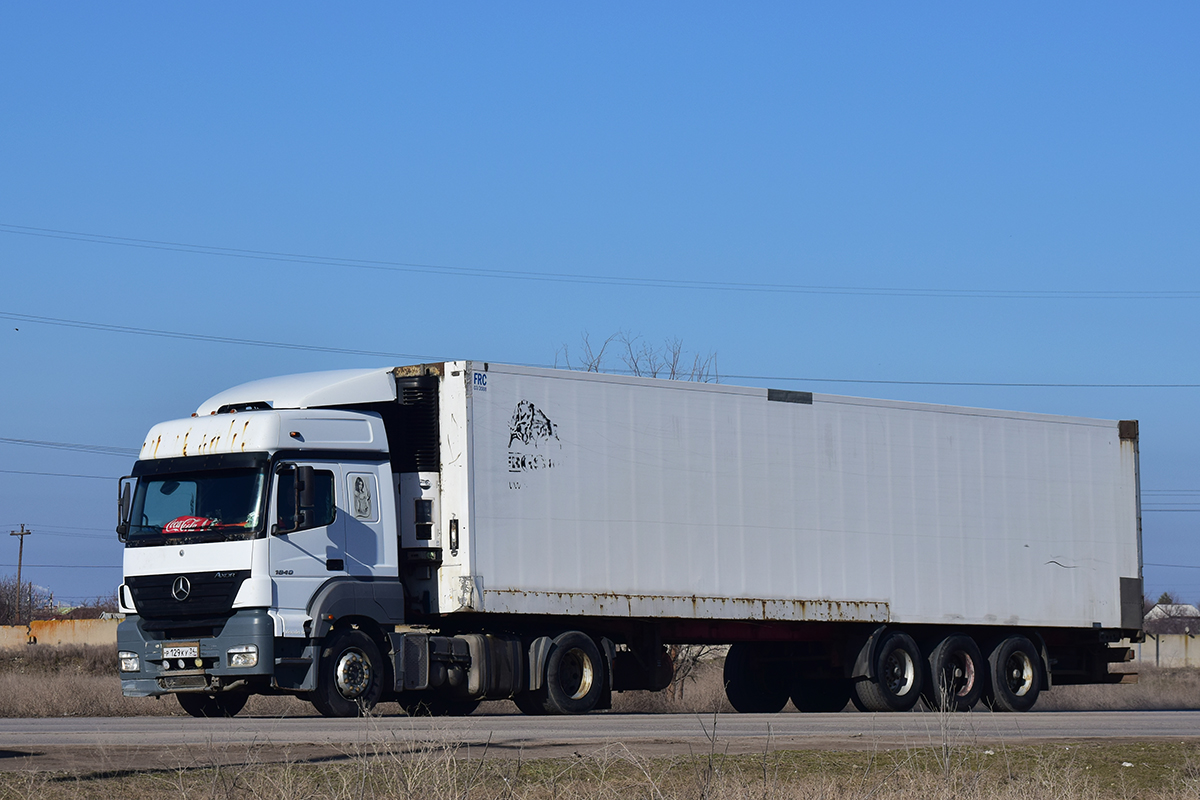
(187, 524)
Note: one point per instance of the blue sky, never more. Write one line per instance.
(1044, 151)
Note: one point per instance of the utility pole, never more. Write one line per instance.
(20, 559)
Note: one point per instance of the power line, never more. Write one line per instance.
(202, 337)
(94, 449)
(1175, 566)
(604, 280)
(58, 474)
(1022, 385)
(129, 329)
(67, 566)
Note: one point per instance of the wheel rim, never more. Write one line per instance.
(1018, 671)
(352, 674)
(899, 672)
(958, 677)
(576, 674)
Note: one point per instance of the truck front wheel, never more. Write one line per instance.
(226, 704)
(349, 675)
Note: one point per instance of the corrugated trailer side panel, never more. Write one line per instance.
(598, 494)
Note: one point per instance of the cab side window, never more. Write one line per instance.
(320, 515)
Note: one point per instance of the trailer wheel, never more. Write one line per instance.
(899, 676)
(1016, 677)
(574, 678)
(957, 674)
(225, 704)
(349, 675)
(821, 695)
(750, 685)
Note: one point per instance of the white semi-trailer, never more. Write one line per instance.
(446, 533)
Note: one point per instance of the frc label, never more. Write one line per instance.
(479, 381)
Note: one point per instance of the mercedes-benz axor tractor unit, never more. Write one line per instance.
(441, 534)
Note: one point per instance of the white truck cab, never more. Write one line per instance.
(255, 524)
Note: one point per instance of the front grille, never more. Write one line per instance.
(210, 594)
(184, 682)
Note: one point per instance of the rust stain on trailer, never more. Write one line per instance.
(691, 606)
(419, 370)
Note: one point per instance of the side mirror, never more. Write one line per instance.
(305, 488)
(123, 507)
(305, 495)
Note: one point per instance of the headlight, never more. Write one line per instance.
(129, 661)
(244, 655)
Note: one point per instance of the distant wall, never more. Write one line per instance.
(60, 631)
(1168, 650)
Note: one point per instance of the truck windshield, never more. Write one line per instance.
(208, 506)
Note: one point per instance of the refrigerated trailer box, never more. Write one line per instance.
(856, 547)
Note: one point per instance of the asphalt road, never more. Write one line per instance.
(93, 744)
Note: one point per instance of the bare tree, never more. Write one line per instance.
(36, 601)
(590, 359)
(641, 358)
(685, 658)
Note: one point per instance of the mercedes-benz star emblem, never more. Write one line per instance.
(181, 588)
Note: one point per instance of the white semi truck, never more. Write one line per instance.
(441, 534)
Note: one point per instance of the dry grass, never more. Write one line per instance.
(1157, 689)
(436, 770)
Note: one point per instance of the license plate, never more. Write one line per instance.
(182, 651)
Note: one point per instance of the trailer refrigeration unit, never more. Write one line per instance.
(441, 534)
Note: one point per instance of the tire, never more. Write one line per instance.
(434, 704)
(749, 683)
(821, 695)
(350, 675)
(226, 704)
(530, 704)
(899, 676)
(1016, 675)
(957, 674)
(574, 677)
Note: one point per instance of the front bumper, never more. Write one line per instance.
(250, 626)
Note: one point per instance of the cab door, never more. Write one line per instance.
(308, 538)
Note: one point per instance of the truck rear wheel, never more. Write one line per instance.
(899, 676)
(1016, 677)
(750, 685)
(349, 675)
(432, 704)
(957, 674)
(225, 704)
(573, 681)
(821, 695)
